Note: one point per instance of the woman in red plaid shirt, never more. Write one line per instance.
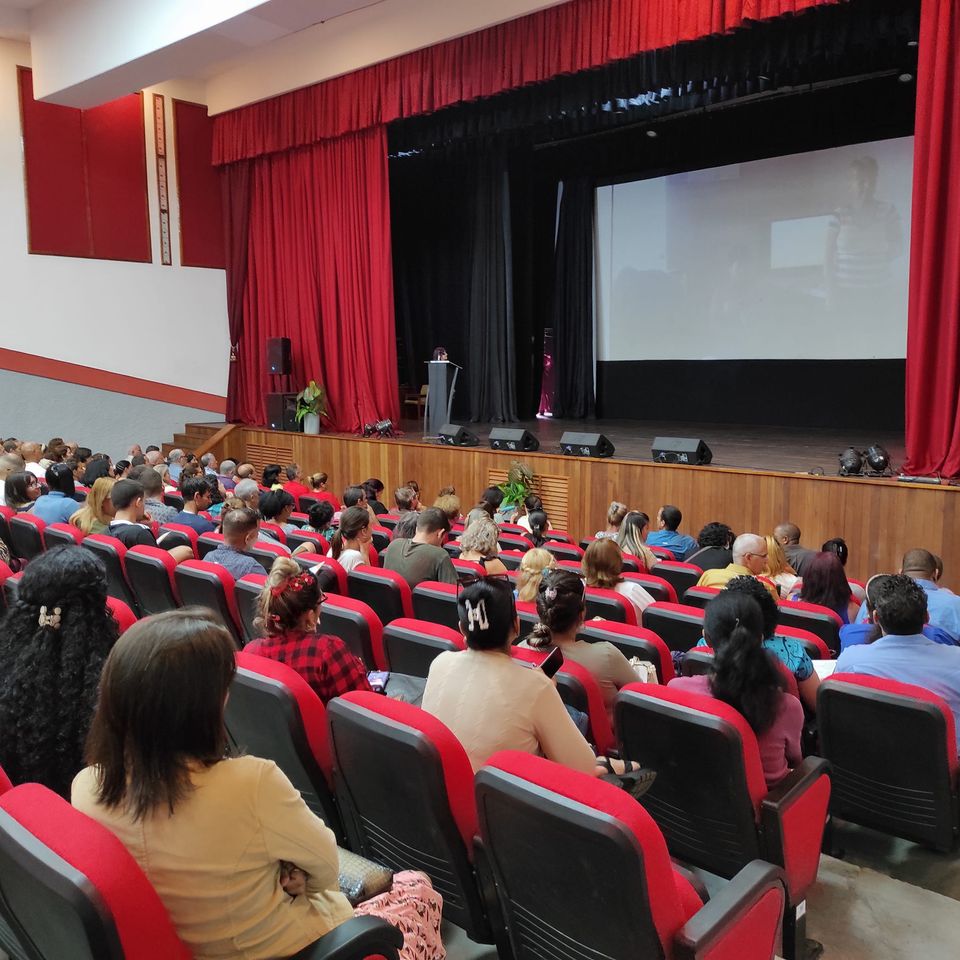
(289, 613)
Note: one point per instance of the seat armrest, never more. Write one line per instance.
(693, 878)
(793, 786)
(355, 939)
(749, 907)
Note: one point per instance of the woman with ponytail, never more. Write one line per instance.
(53, 644)
(561, 607)
(350, 545)
(539, 525)
(290, 606)
(746, 677)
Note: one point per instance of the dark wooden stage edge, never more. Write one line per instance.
(879, 519)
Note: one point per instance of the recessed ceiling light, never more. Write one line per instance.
(652, 134)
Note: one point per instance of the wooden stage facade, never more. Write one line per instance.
(879, 519)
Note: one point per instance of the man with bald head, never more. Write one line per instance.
(788, 536)
(31, 453)
(943, 607)
(749, 560)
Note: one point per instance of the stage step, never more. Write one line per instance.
(194, 435)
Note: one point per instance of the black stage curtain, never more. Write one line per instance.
(573, 396)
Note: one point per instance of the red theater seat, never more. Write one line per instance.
(657, 587)
(410, 646)
(699, 596)
(152, 575)
(631, 642)
(180, 535)
(681, 576)
(125, 618)
(819, 620)
(265, 552)
(551, 834)
(563, 551)
(275, 530)
(468, 568)
(384, 591)
(710, 798)
(609, 605)
(358, 626)
(318, 544)
(113, 555)
(437, 603)
(247, 591)
(333, 577)
(62, 535)
(209, 585)
(679, 626)
(511, 559)
(26, 533)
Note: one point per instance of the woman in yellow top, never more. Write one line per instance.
(97, 510)
(211, 833)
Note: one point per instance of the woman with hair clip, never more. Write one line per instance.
(350, 545)
(97, 511)
(492, 701)
(748, 679)
(539, 525)
(242, 865)
(561, 607)
(633, 531)
(531, 502)
(290, 605)
(54, 640)
(615, 514)
(534, 564)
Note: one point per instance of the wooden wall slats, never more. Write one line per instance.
(880, 520)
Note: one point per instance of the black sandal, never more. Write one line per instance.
(636, 780)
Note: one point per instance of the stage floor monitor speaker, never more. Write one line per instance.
(586, 445)
(502, 438)
(452, 435)
(282, 411)
(690, 450)
(278, 355)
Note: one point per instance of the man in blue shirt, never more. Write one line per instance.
(943, 606)
(240, 528)
(197, 496)
(903, 653)
(679, 544)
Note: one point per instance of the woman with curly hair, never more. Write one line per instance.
(53, 643)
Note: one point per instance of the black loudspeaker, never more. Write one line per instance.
(452, 435)
(503, 439)
(278, 355)
(282, 411)
(681, 450)
(586, 445)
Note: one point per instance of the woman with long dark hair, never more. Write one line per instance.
(350, 545)
(825, 583)
(746, 677)
(21, 491)
(53, 643)
(238, 859)
(57, 504)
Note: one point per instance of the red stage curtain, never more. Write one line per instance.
(235, 197)
(933, 335)
(563, 39)
(319, 271)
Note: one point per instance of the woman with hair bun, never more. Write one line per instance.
(561, 607)
(746, 677)
(290, 605)
(615, 514)
(53, 644)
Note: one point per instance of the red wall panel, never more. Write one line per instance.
(86, 178)
(198, 187)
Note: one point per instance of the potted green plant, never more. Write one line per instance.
(519, 484)
(311, 406)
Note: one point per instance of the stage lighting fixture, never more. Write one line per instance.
(905, 78)
(851, 462)
(368, 429)
(652, 134)
(384, 428)
(877, 458)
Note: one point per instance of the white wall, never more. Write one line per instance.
(166, 324)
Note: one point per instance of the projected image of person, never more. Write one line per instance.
(864, 238)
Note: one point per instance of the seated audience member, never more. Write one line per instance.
(789, 651)
(902, 652)
(838, 546)
(96, 468)
(406, 499)
(190, 471)
(294, 484)
(239, 528)
(534, 564)
(788, 536)
(714, 542)
(413, 486)
(615, 514)
(477, 513)
(825, 583)
(603, 567)
(54, 640)
(211, 832)
(153, 457)
(745, 677)
(318, 488)
(31, 454)
(276, 507)
(227, 474)
(561, 607)
(406, 528)
(153, 496)
(632, 531)
(96, 512)
(491, 500)
(449, 503)
(852, 634)
(943, 606)
(11, 445)
(121, 469)
(749, 560)
(248, 493)
(423, 557)
(778, 570)
(21, 491)
(54, 452)
(271, 476)
(290, 607)
(135, 451)
(210, 465)
(350, 545)
(355, 496)
(127, 526)
(321, 519)
(539, 525)
(9, 463)
(58, 504)
(531, 502)
(668, 535)
(72, 448)
(197, 496)
(479, 544)
(176, 461)
(246, 471)
(373, 488)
